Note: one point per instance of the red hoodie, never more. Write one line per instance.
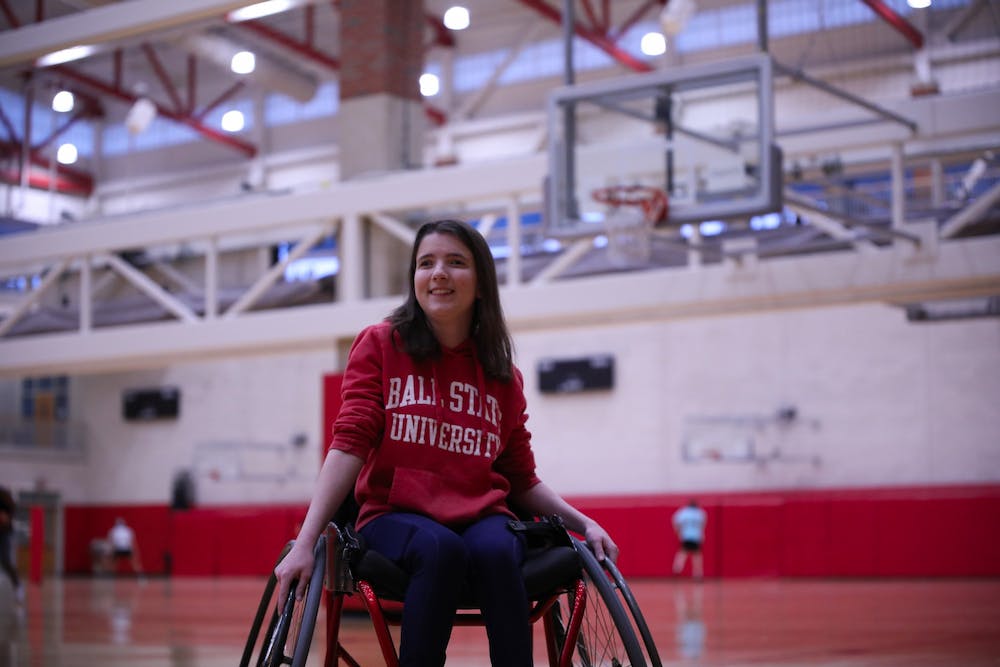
(437, 437)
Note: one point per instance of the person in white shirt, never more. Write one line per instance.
(123, 545)
(689, 524)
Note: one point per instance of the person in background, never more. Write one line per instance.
(689, 524)
(123, 545)
(431, 439)
(7, 507)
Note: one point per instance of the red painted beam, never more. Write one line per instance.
(301, 48)
(442, 36)
(68, 180)
(896, 21)
(600, 41)
(435, 115)
(161, 74)
(9, 13)
(194, 123)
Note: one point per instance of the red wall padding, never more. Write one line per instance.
(151, 524)
(889, 532)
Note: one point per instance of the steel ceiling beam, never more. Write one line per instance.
(105, 24)
(298, 47)
(191, 120)
(65, 180)
(600, 40)
(889, 15)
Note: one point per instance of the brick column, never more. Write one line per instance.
(381, 122)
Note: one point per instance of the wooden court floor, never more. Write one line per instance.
(733, 623)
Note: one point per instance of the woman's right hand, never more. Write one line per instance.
(296, 565)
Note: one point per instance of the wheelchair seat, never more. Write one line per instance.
(547, 566)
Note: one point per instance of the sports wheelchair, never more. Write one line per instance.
(589, 615)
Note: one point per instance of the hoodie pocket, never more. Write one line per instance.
(448, 501)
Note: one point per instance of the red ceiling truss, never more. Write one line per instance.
(599, 31)
(594, 23)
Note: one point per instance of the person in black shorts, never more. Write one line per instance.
(689, 524)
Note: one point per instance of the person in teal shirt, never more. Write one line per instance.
(689, 524)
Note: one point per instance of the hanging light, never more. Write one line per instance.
(675, 15)
(919, 4)
(653, 44)
(232, 121)
(139, 117)
(62, 101)
(243, 62)
(430, 85)
(66, 154)
(456, 18)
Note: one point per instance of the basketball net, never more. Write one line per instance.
(633, 211)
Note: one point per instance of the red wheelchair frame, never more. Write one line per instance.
(561, 574)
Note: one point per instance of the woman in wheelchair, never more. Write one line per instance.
(431, 439)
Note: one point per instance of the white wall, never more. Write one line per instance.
(881, 402)
(260, 403)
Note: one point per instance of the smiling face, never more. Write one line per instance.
(445, 285)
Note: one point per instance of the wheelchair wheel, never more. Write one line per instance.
(633, 608)
(289, 634)
(606, 638)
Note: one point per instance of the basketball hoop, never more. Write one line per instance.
(633, 212)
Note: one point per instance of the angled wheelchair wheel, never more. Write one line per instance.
(288, 636)
(632, 606)
(606, 637)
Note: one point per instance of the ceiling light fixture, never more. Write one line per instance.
(919, 4)
(232, 121)
(62, 101)
(456, 18)
(653, 44)
(675, 15)
(66, 154)
(243, 62)
(140, 116)
(430, 85)
(65, 55)
(259, 10)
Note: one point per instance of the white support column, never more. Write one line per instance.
(146, 285)
(830, 225)
(212, 278)
(351, 250)
(694, 247)
(514, 241)
(176, 277)
(937, 183)
(486, 223)
(394, 227)
(569, 257)
(86, 296)
(250, 297)
(898, 182)
(50, 278)
(971, 213)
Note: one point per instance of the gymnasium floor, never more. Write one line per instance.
(789, 623)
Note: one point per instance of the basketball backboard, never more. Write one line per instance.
(703, 133)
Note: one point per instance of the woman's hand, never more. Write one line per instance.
(600, 542)
(297, 564)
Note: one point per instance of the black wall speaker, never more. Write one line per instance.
(563, 376)
(149, 404)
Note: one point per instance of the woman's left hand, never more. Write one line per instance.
(601, 543)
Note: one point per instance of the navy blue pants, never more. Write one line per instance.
(440, 561)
